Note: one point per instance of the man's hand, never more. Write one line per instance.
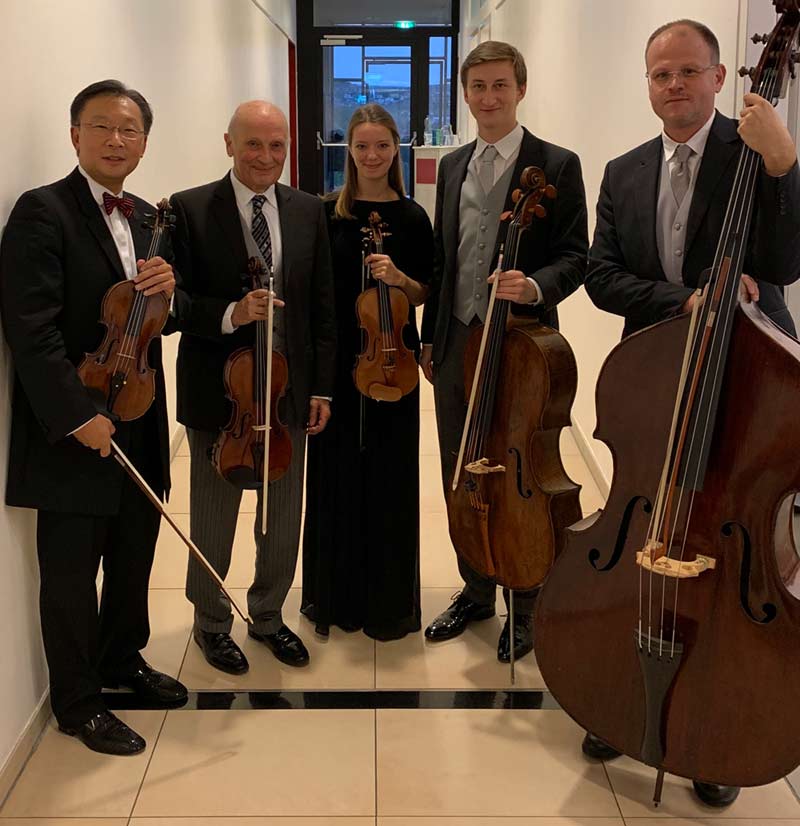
(319, 411)
(155, 276)
(748, 289)
(762, 129)
(514, 286)
(426, 361)
(253, 307)
(96, 434)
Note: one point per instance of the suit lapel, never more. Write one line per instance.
(227, 214)
(283, 195)
(141, 225)
(452, 197)
(645, 186)
(529, 155)
(94, 220)
(721, 149)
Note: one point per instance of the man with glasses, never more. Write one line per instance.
(64, 245)
(662, 207)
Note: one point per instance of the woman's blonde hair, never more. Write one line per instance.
(370, 113)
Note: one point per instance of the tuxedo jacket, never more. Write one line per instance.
(552, 249)
(57, 260)
(625, 275)
(211, 257)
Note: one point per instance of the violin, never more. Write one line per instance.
(255, 380)
(510, 500)
(118, 373)
(386, 370)
(670, 625)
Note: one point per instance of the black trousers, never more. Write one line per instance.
(87, 645)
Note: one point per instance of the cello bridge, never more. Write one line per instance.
(484, 466)
(673, 568)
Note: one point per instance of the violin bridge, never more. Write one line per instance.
(260, 428)
(673, 568)
(484, 466)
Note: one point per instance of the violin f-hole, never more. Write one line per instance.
(527, 493)
(768, 609)
(622, 535)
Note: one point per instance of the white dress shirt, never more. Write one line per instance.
(697, 142)
(244, 198)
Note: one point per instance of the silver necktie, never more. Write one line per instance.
(679, 174)
(486, 169)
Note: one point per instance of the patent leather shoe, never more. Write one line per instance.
(523, 639)
(713, 795)
(598, 749)
(152, 686)
(456, 618)
(284, 644)
(106, 733)
(221, 651)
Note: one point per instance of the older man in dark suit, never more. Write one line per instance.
(65, 244)
(662, 207)
(474, 188)
(220, 225)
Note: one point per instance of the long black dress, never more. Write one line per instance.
(361, 537)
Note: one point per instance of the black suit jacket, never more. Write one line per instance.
(552, 250)
(57, 260)
(625, 274)
(211, 256)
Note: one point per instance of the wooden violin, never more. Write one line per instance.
(386, 370)
(118, 372)
(255, 380)
(670, 625)
(510, 499)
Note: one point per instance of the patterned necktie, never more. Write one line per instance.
(124, 205)
(679, 174)
(486, 170)
(260, 230)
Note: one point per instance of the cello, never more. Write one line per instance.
(688, 581)
(511, 499)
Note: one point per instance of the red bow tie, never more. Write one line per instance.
(124, 205)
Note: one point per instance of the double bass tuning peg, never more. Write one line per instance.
(744, 71)
(760, 38)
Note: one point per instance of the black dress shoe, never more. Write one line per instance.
(152, 686)
(284, 644)
(523, 639)
(456, 618)
(106, 733)
(598, 749)
(713, 795)
(221, 651)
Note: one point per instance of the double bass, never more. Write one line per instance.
(511, 499)
(670, 625)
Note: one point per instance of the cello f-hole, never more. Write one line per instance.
(526, 494)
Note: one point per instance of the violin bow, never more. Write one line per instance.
(267, 403)
(130, 469)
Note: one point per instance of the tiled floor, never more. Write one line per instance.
(332, 767)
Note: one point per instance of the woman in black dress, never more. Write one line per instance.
(361, 537)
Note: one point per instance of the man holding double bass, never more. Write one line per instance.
(474, 189)
(662, 207)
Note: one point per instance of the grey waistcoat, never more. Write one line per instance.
(671, 224)
(479, 219)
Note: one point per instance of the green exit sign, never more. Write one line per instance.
(404, 24)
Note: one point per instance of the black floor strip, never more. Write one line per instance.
(221, 700)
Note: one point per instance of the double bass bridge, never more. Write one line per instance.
(652, 559)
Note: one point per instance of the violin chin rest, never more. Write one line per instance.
(384, 392)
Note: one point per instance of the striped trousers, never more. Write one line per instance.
(214, 508)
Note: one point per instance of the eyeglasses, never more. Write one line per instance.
(104, 131)
(688, 73)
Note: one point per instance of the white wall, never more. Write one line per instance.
(587, 91)
(194, 60)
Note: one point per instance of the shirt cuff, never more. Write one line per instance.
(324, 398)
(538, 299)
(73, 432)
(227, 323)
